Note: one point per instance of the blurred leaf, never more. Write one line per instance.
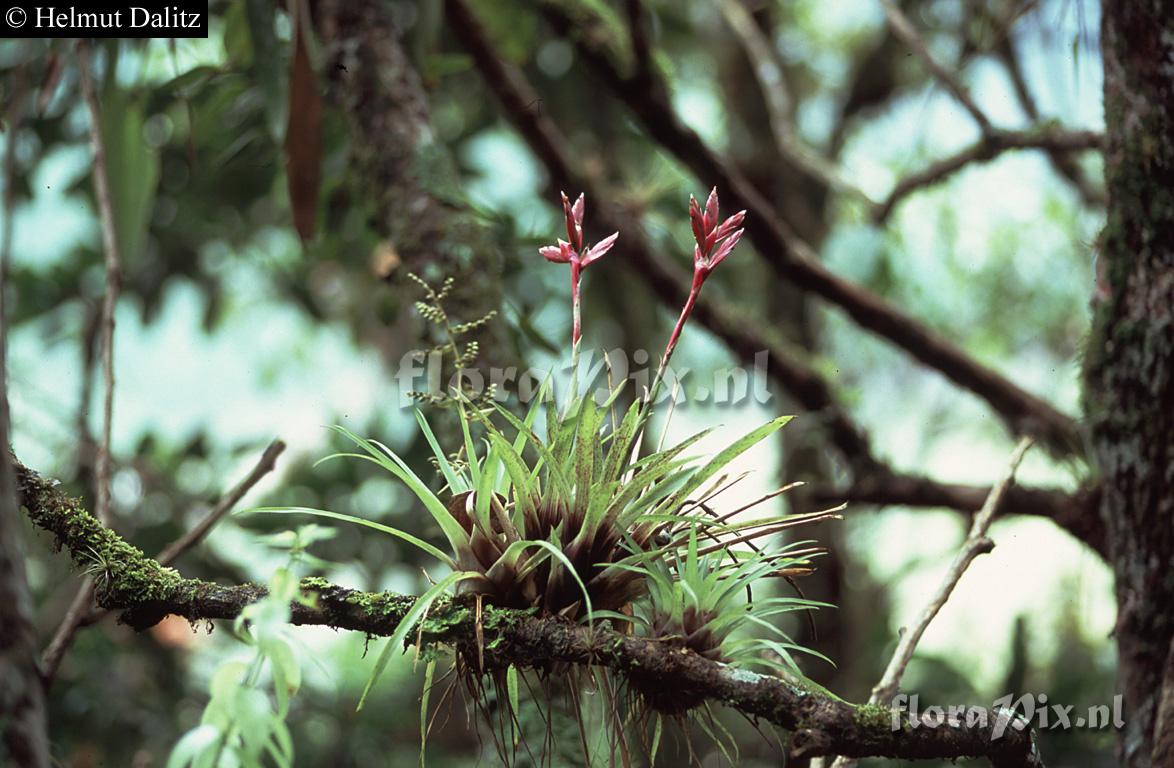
(132, 167)
(266, 67)
(512, 26)
(439, 65)
(54, 66)
(303, 137)
(238, 38)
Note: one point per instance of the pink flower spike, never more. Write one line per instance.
(598, 250)
(729, 225)
(696, 219)
(711, 210)
(559, 254)
(573, 215)
(724, 250)
(578, 208)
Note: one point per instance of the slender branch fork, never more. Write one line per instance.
(993, 142)
(976, 544)
(987, 148)
(146, 592)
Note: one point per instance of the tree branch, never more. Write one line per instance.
(1075, 513)
(1054, 141)
(1063, 163)
(197, 533)
(146, 592)
(908, 34)
(976, 544)
(794, 260)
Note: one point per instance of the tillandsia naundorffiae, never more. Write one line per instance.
(562, 509)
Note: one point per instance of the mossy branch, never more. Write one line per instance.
(821, 724)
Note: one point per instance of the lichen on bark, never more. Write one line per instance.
(1129, 387)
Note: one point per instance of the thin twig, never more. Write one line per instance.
(75, 616)
(113, 279)
(229, 500)
(768, 71)
(80, 606)
(86, 445)
(987, 148)
(976, 544)
(909, 35)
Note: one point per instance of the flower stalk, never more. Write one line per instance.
(713, 243)
(572, 251)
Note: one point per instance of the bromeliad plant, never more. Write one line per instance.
(573, 519)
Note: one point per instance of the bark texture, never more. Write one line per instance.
(403, 173)
(1130, 384)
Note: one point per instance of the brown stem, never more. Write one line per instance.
(80, 606)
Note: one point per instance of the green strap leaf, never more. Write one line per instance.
(736, 449)
(405, 625)
(456, 483)
(414, 541)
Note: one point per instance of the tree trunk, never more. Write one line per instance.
(22, 706)
(1130, 373)
(23, 738)
(406, 176)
